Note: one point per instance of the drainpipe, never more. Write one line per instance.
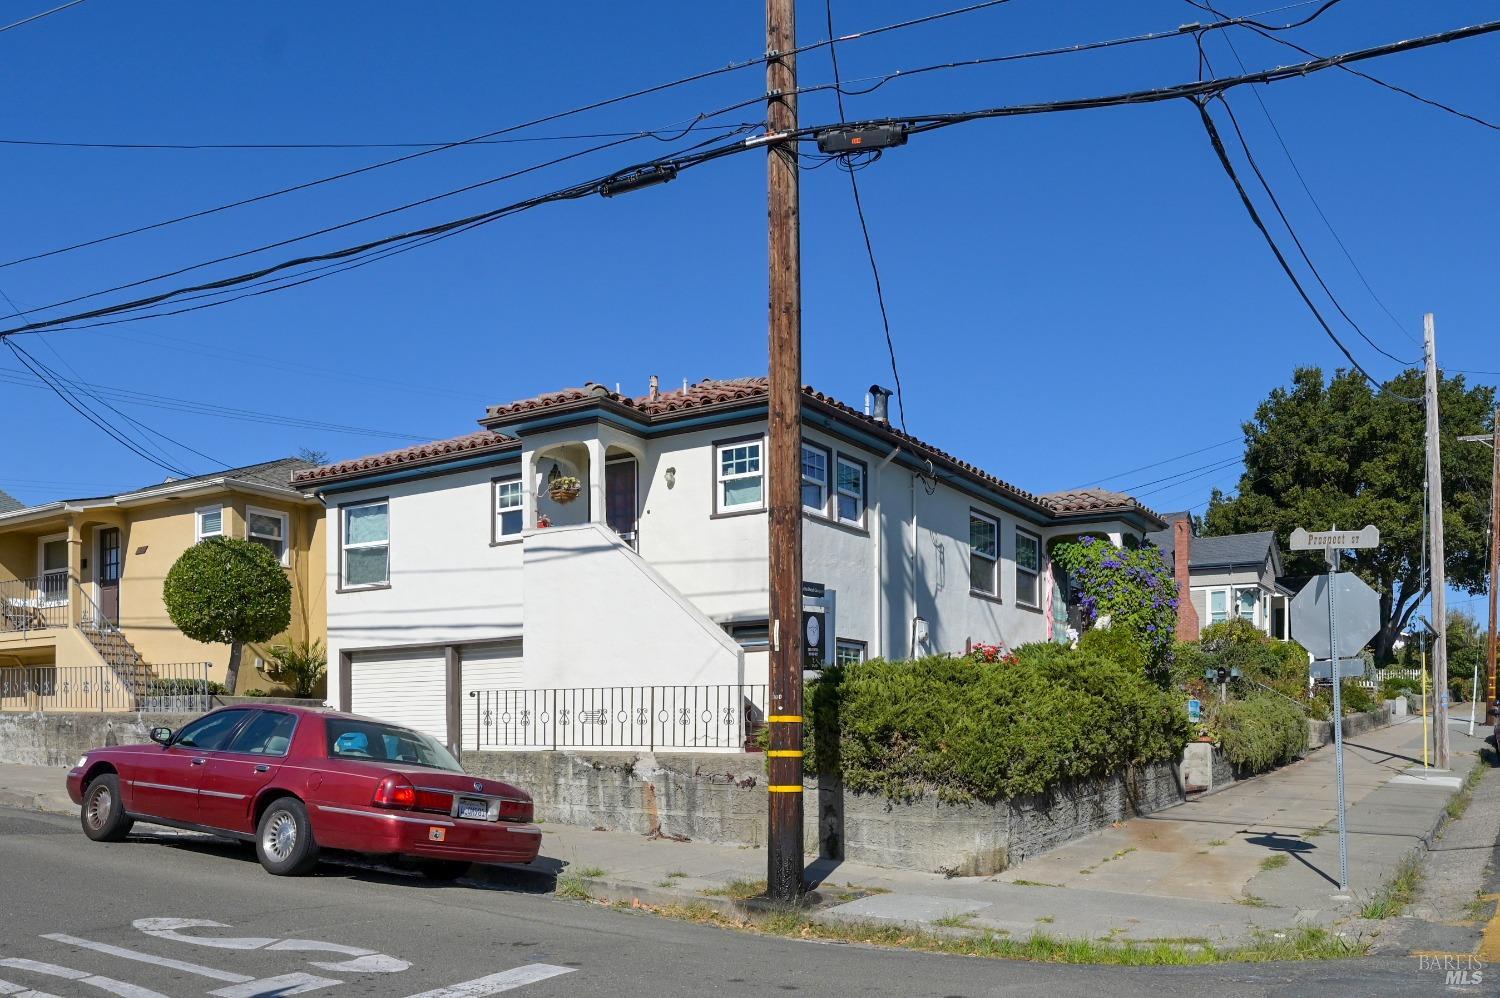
(879, 566)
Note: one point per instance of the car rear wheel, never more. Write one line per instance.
(103, 813)
(442, 869)
(284, 840)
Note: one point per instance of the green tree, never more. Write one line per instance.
(1323, 454)
(1467, 645)
(223, 590)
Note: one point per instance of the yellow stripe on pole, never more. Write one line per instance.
(785, 753)
(794, 789)
(785, 718)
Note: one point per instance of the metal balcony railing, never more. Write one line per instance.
(181, 687)
(34, 604)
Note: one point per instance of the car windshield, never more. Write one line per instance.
(371, 741)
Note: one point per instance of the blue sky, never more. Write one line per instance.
(1071, 295)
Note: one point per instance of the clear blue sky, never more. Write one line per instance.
(1071, 295)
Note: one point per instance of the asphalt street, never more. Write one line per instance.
(169, 914)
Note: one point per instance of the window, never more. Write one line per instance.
(815, 479)
(352, 738)
(847, 652)
(741, 480)
(752, 635)
(211, 732)
(1248, 600)
(1218, 606)
(268, 733)
(1028, 568)
(210, 522)
(367, 544)
(269, 530)
(508, 499)
(55, 570)
(984, 554)
(851, 491)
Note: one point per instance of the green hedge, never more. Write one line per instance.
(967, 731)
(1397, 686)
(1260, 733)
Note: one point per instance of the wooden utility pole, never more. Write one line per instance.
(784, 466)
(1439, 573)
(1492, 707)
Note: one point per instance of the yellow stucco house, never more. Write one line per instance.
(81, 581)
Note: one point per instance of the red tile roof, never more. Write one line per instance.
(711, 392)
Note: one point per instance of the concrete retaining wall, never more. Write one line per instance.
(59, 739)
(1320, 733)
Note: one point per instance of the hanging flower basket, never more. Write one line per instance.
(565, 489)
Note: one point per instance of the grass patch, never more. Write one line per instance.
(1398, 891)
(1046, 919)
(1273, 862)
(675, 874)
(1032, 883)
(1215, 843)
(1301, 944)
(1459, 805)
(737, 889)
(571, 889)
(1251, 901)
(1479, 909)
(590, 871)
(955, 921)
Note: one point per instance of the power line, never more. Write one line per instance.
(38, 17)
(1169, 479)
(1173, 485)
(1157, 464)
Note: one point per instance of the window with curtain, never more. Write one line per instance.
(1218, 606)
(269, 530)
(741, 479)
(210, 522)
(367, 545)
(1247, 600)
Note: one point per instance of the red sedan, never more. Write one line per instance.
(294, 781)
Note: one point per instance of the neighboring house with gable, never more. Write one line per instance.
(81, 579)
(1231, 575)
(443, 587)
(9, 502)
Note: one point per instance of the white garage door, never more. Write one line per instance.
(486, 667)
(409, 688)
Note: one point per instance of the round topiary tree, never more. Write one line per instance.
(227, 591)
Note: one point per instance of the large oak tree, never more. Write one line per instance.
(1323, 454)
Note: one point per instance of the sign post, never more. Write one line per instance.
(1361, 608)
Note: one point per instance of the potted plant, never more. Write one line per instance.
(543, 520)
(564, 489)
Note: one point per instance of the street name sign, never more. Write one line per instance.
(1335, 540)
(1358, 608)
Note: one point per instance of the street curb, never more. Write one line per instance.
(31, 802)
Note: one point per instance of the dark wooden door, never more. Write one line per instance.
(620, 498)
(109, 574)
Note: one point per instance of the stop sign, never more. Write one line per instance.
(1355, 604)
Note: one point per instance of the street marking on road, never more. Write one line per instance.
(365, 960)
(160, 961)
(21, 991)
(166, 928)
(109, 984)
(1489, 943)
(496, 983)
(286, 984)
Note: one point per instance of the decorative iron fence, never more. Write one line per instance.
(180, 688)
(34, 604)
(701, 718)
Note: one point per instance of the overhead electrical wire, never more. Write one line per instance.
(1158, 464)
(1170, 480)
(38, 17)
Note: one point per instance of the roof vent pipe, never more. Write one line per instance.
(882, 397)
(655, 392)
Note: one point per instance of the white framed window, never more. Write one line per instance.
(269, 529)
(52, 557)
(815, 479)
(751, 635)
(208, 522)
(366, 539)
(1246, 603)
(984, 554)
(1028, 568)
(847, 651)
(1218, 606)
(509, 499)
(741, 477)
(851, 491)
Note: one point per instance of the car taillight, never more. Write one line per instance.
(395, 791)
(515, 810)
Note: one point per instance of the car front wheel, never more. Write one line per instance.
(284, 840)
(103, 813)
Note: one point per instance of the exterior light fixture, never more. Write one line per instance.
(671, 476)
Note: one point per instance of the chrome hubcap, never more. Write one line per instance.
(100, 803)
(280, 837)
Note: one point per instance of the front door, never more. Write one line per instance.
(164, 783)
(108, 574)
(620, 498)
(234, 775)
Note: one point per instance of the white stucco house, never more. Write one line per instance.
(454, 573)
(1231, 575)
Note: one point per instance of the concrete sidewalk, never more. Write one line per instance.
(1259, 856)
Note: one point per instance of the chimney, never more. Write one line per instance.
(882, 399)
(1182, 549)
(655, 392)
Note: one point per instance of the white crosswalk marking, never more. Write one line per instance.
(160, 961)
(286, 984)
(496, 983)
(121, 988)
(21, 991)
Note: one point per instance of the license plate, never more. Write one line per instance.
(473, 808)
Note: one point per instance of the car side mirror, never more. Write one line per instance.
(162, 736)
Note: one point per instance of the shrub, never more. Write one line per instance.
(300, 665)
(183, 687)
(1460, 688)
(967, 730)
(1259, 733)
(1133, 587)
(1398, 686)
(223, 590)
(1356, 700)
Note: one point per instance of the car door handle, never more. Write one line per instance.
(262, 768)
(197, 762)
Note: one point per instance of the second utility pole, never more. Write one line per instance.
(784, 467)
(1439, 574)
